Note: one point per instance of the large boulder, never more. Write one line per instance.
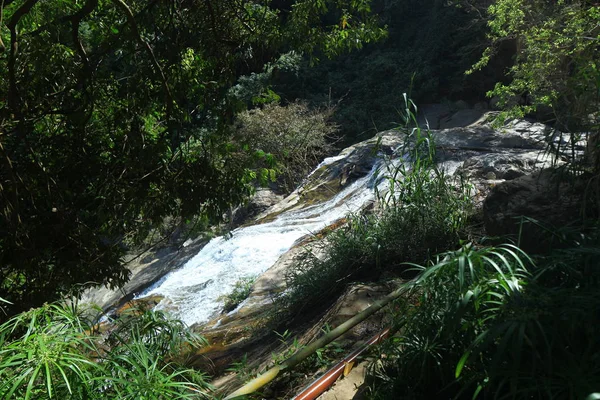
(504, 165)
(531, 204)
(464, 117)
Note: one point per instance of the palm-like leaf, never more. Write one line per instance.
(51, 353)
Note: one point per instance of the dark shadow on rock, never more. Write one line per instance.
(162, 262)
(259, 202)
(535, 206)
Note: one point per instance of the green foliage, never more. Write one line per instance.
(47, 355)
(429, 38)
(255, 89)
(292, 139)
(241, 369)
(311, 366)
(557, 64)
(422, 186)
(321, 359)
(52, 352)
(290, 349)
(422, 213)
(324, 357)
(487, 322)
(241, 290)
(114, 115)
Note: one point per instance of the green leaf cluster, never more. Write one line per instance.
(241, 290)
(115, 114)
(488, 322)
(556, 66)
(53, 352)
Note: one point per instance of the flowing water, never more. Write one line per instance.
(192, 291)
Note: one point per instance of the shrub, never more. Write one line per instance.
(487, 322)
(296, 136)
(241, 290)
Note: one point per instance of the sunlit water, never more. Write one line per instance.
(192, 291)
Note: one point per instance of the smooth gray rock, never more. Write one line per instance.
(503, 164)
(463, 117)
(146, 269)
(461, 105)
(481, 106)
(431, 114)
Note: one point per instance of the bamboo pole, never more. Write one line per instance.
(300, 355)
(314, 390)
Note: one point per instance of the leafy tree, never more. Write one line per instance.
(430, 44)
(114, 114)
(557, 64)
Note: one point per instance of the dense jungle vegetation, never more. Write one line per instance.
(116, 114)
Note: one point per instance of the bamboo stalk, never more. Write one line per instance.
(300, 355)
(317, 387)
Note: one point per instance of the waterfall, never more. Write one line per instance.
(192, 291)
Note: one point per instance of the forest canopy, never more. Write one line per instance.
(115, 114)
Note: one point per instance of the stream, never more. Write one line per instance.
(191, 293)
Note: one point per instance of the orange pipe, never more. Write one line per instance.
(315, 389)
(301, 354)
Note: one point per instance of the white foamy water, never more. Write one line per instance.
(327, 161)
(192, 290)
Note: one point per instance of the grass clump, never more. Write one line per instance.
(422, 211)
(488, 322)
(53, 352)
(241, 290)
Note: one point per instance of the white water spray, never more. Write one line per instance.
(193, 290)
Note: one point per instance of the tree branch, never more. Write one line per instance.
(86, 10)
(159, 70)
(24, 9)
(13, 93)
(2, 46)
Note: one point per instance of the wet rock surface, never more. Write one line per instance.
(261, 345)
(259, 202)
(146, 269)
